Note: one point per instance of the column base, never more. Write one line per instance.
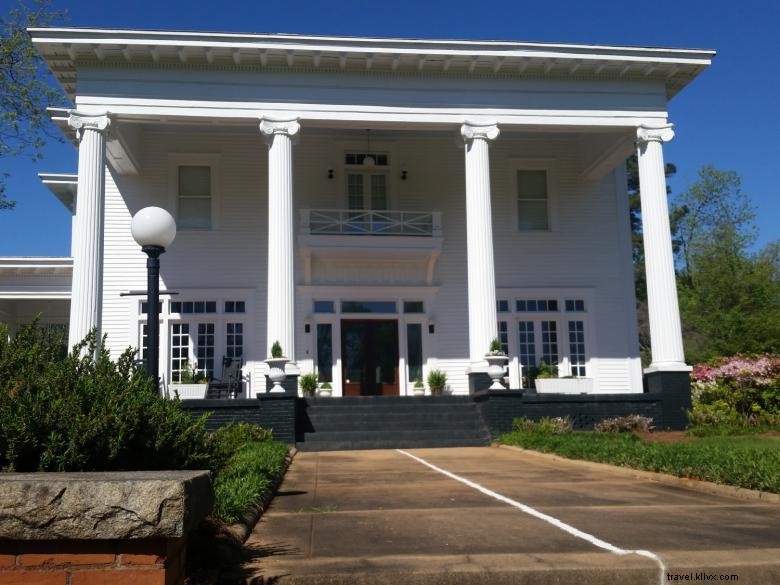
(668, 367)
(675, 388)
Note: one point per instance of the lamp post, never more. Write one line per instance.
(153, 229)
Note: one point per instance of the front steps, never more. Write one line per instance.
(391, 422)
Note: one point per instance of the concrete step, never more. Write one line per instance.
(396, 443)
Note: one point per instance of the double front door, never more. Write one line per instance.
(369, 350)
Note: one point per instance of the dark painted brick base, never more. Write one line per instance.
(356, 422)
(271, 411)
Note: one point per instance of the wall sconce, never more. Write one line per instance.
(431, 327)
(330, 172)
(307, 327)
(403, 174)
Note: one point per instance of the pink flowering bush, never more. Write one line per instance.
(739, 390)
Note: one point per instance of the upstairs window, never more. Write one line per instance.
(194, 197)
(532, 201)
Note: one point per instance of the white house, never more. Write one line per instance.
(381, 207)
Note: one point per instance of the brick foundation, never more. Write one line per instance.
(92, 562)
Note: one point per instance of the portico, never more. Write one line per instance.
(544, 130)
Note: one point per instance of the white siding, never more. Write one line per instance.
(589, 248)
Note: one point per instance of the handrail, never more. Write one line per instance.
(370, 222)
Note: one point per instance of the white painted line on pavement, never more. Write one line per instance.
(545, 517)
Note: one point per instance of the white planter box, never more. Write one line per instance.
(564, 385)
(189, 391)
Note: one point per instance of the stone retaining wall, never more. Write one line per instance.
(99, 528)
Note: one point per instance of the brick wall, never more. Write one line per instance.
(92, 562)
(271, 411)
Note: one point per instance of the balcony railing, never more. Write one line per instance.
(364, 222)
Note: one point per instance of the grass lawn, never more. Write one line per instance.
(746, 461)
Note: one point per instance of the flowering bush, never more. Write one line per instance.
(736, 391)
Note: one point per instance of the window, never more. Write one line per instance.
(503, 336)
(205, 349)
(193, 307)
(575, 305)
(527, 351)
(234, 341)
(367, 191)
(368, 307)
(502, 306)
(577, 348)
(550, 342)
(413, 307)
(532, 200)
(357, 158)
(414, 350)
(235, 307)
(194, 197)
(536, 305)
(325, 352)
(324, 307)
(180, 349)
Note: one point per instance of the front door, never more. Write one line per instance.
(369, 350)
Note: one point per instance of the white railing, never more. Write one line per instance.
(364, 222)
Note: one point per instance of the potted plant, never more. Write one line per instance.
(325, 389)
(548, 382)
(276, 364)
(419, 388)
(496, 359)
(437, 381)
(308, 383)
(192, 383)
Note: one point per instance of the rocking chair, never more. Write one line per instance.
(229, 386)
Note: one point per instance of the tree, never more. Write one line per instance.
(25, 91)
(729, 296)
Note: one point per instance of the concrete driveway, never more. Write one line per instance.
(494, 515)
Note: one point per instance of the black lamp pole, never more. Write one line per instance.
(153, 308)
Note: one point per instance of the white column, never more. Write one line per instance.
(87, 239)
(663, 308)
(479, 239)
(281, 260)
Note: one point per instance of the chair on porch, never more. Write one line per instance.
(229, 386)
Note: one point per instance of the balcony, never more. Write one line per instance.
(354, 236)
(364, 222)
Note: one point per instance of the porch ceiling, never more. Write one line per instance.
(66, 48)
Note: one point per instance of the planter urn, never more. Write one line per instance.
(276, 372)
(496, 369)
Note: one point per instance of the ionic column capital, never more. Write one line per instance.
(270, 127)
(471, 131)
(81, 121)
(654, 133)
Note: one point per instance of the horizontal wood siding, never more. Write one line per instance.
(589, 248)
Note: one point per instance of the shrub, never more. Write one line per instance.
(739, 391)
(78, 412)
(437, 381)
(276, 350)
(496, 348)
(544, 370)
(625, 424)
(544, 426)
(308, 384)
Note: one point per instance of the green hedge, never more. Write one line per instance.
(69, 413)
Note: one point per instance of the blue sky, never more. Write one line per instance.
(727, 117)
